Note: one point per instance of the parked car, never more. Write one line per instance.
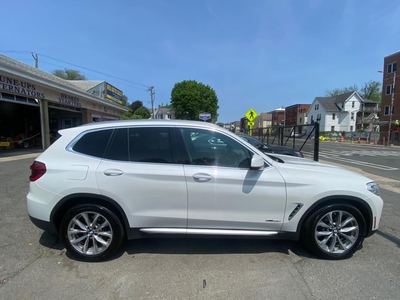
(101, 183)
(269, 148)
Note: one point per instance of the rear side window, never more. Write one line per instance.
(119, 146)
(93, 143)
(151, 144)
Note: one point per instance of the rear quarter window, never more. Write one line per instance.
(93, 143)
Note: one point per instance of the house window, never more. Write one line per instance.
(169, 116)
(319, 117)
(352, 116)
(301, 120)
(391, 68)
(387, 110)
(316, 106)
(332, 128)
(388, 89)
(351, 128)
(342, 105)
(352, 104)
(333, 116)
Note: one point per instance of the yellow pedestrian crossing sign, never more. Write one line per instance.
(251, 124)
(251, 115)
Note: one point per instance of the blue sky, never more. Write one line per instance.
(258, 54)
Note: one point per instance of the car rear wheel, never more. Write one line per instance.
(335, 231)
(91, 232)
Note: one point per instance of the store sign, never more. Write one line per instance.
(113, 93)
(69, 100)
(15, 86)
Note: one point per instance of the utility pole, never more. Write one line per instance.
(36, 58)
(391, 109)
(152, 93)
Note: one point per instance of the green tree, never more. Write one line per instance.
(338, 91)
(371, 90)
(142, 112)
(124, 100)
(69, 74)
(189, 98)
(135, 105)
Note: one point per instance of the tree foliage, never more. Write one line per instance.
(189, 98)
(371, 90)
(135, 105)
(69, 74)
(124, 100)
(143, 112)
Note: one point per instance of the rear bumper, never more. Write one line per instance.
(44, 225)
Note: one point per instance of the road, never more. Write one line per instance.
(34, 264)
(374, 159)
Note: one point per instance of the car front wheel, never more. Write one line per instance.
(91, 232)
(335, 231)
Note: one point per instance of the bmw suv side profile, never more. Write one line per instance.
(102, 183)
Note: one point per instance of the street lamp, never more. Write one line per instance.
(391, 107)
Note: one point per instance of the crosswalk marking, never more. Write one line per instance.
(338, 156)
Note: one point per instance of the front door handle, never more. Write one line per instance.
(202, 177)
(113, 172)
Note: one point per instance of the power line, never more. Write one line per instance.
(14, 51)
(48, 63)
(129, 81)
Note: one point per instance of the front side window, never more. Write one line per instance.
(93, 143)
(210, 148)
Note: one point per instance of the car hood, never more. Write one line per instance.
(292, 166)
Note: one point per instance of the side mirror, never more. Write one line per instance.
(257, 162)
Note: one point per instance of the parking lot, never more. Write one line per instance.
(34, 264)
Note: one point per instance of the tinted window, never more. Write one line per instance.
(212, 148)
(119, 146)
(150, 144)
(93, 143)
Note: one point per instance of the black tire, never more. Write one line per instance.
(339, 240)
(95, 240)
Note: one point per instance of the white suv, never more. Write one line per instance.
(101, 183)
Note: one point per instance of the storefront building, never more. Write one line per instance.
(34, 104)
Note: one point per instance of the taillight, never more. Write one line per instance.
(37, 170)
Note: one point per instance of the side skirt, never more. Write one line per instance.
(138, 233)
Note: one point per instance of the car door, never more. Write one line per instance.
(141, 171)
(223, 192)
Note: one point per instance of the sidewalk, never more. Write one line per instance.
(14, 154)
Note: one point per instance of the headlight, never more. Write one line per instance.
(373, 187)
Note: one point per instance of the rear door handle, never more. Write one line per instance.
(202, 177)
(113, 172)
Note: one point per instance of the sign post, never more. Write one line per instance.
(251, 115)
